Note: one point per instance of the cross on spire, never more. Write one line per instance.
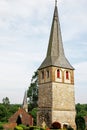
(55, 2)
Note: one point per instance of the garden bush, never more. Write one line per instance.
(23, 126)
(18, 128)
(42, 128)
(70, 128)
(36, 128)
(31, 128)
(27, 128)
(1, 127)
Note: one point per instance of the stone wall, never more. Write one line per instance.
(63, 97)
(56, 100)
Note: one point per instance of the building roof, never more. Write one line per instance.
(26, 119)
(55, 53)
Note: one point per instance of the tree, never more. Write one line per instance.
(80, 123)
(78, 108)
(3, 113)
(81, 109)
(32, 91)
(6, 111)
(34, 114)
(6, 101)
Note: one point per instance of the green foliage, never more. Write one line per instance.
(6, 101)
(1, 126)
(3, 113)
(18, 128)
(42, 128)
(24, 127)
(32, 94)
(34, 115)
(80, 123)
(32, 91)
(6, 111)
(70, 128)
(27, 128)
(36, 128)
(58, 129)
(81, 109)
(12, 109)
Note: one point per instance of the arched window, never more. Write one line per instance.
(42, 75)
(58, 73)
(67, 75)
(48, 74)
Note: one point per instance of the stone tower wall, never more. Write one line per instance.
(45, 95)
(56, 103)
(56, 97)
(63, 106)
(63, 96)
(64, 117)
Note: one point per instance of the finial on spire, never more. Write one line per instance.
(55, 2)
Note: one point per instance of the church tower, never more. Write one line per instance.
(56, 99)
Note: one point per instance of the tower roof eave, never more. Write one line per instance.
(61, 62)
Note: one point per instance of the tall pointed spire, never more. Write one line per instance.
(55, 2)
(25, 105)
(55, 53)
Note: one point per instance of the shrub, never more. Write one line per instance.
(80, 123)
(36, 128)
(27, 128)
(70, 128)
(56, 125)
(1, 127)
(23, 126)
(31, 128)
(18, 128)
(41, 128)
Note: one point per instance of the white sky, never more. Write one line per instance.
(24, 35)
